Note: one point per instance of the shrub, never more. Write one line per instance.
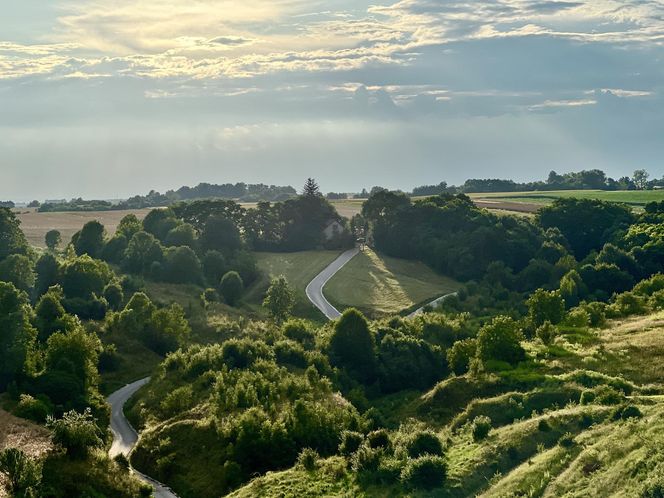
(547, 333)
(543, 426)
(76, 432)
(366, 459)
(122, 461)
(460, 355)
(231, 287)
(424, 443)
(500, 340)
(379, 439)
(624, 412)
(114, 295)
(298, 331)
(352, 345)
(290, 353)
(425, 472)
(480, 427)
(567, 440)
(23, 474)
(34, 409)
(350, 442)
(578, 317)
(308, 459)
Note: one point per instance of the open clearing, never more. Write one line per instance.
(35, 225)
(636, 198)
(379, 285)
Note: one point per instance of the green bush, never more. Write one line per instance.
(290, 353)
(298, 331)
(547, 333)
(22, 474)
(366, 459)
(626, 411)
(76, 432)
(350, 442)
(424, 443)
(543, 426)
(34, 409)
(566, 440)
(460, 355)
(425, 472)
(379, 439)
(308, 459)
(480, 427)
(231, 287)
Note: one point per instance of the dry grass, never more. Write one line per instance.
(18, 433)
(35, 225)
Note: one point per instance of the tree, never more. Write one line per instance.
(500, 340)
(47, 269)
(311, 188)
(12, 239)
(75, 352)
(17, 336)
(90, 239)
(546, 306)
(53, 239)
(159, 222)
(18, 269)
(22, 473)
(214, 267)
(220, 234)
(143, 250)
(181, 235)
(83, 277)
(352, 345)
(231, 287)
(50, 314)
(129, 226)
(76, 432)
(181, 266)
(114, 295)
(280, 299)
(460, 355)
(640, 179)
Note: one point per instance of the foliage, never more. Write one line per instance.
(18, 270)
(460, 355)
(90, 240)
(23, 474)
(424, 442)
(53, 239)
(76, 433)
(12, 239)
(308, 459)
(352, 345)
(546, 306)
(231, 287)
(143, 250)
(280, 299)
(17, 336)
(480, 427)
(425, 472)
(546, 333)
(500, 340)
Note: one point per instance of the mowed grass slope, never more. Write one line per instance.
(379, 285)
(299, 268)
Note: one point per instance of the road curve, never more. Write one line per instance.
(315, 288)
(432, 304)
(124, 435)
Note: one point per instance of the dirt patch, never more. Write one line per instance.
(35, 225)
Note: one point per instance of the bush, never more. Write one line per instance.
(23, 474)
(366, 459)
(567, 440)
(350, 442)
(543, 426)
(500, 340)
(290, 353)
(578, 317)
(231, 287)
(298, 331)
(460, 355)
(34, 409)
(424, 443)
(308, 459)
(480, 427)
(352, 345)
(379, 439)
(425, 472)
(122, 461)
(547, 333)
(624, 412)
(76, 432)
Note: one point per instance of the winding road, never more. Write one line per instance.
(315, 288)
(124, 435)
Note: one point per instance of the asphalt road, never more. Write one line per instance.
(124, 435)
(315, 288)
(434, 304)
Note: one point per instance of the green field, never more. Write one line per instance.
(380, 285)
(299, 268)
(637, 198)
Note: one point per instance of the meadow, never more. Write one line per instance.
(379, 285)
(636, 198)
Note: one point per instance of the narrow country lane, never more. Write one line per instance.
(315, 288)
(124, 435)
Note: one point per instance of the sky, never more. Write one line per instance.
(107, 99)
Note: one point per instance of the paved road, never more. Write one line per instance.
(433, 304)
(124, 435)
(315, 288)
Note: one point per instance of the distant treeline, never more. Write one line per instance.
(240, 192)
(593, 179)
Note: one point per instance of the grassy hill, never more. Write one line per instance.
(379, 285)
(586, 418)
